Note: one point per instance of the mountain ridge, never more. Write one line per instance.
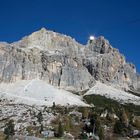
(61, 61)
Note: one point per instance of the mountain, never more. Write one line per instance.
(58, 60)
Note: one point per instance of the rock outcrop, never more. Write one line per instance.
(61, 61)
(106, 64)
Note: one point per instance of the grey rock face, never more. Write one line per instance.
(46, 55)
(138, 82)
(106, 64)
(61, 61)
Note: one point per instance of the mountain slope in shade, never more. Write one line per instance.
(38, 92)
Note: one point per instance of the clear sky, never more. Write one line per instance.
(117, 20)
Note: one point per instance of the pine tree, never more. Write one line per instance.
(9, 129)
(60, 129)
(85, 112)
(68, 123)
(124, 118)
(101, 133)
(40, 117)
(118, 127)
(41, 128)
(97, 124)
(53, 105)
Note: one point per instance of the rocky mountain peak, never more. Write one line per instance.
(99, 45)
(61, 61)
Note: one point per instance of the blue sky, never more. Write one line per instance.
(117, 20)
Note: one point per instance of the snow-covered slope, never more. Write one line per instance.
(37, 92)
(113, 93)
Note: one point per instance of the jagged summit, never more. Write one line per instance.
(60, 61)
(45, 39)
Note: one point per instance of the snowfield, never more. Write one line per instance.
(113, 93)
(38, 92)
